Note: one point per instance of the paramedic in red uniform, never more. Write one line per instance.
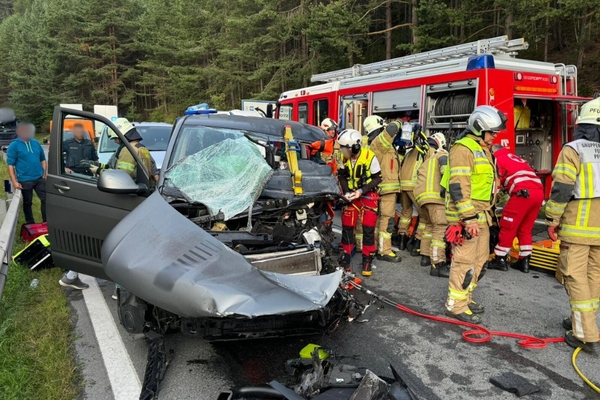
(359, 178)
(526, 193)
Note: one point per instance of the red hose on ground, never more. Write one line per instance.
(477, 334)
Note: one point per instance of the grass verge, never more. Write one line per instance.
(36, 352)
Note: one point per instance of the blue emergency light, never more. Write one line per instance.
(199, 109)
(481, 62)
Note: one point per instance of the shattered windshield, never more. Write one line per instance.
(219, 168)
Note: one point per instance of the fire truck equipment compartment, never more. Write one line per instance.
(165, 259)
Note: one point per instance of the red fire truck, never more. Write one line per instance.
(440, 88)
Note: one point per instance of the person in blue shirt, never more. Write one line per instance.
(27, 168)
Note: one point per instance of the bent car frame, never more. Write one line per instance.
(224, 247)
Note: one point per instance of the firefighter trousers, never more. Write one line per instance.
(385, 223)
(364, 210)
(407, 199)
(518, 217)
(580, 269)
(433, 243)
(471, 256)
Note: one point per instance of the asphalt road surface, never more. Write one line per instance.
(439, 364)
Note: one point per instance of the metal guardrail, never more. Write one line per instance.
(7, 237)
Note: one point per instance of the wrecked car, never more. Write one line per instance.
(234, 241)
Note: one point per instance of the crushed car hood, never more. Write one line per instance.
(165, 259)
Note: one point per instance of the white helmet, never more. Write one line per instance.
(590, 113)
(486, 119)
(372, 123)
(351, 139)
(122, 125)
(440, 138)
(328, 124)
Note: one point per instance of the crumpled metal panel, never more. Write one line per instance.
(165, 259)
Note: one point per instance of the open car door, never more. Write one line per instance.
(80, 215)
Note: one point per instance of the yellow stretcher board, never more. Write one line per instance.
(545, 254)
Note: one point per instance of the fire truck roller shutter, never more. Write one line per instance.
(397, 100)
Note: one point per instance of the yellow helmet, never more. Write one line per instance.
(590, 113)
(372, 123)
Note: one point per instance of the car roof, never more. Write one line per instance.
(151, 124)
(267, 126)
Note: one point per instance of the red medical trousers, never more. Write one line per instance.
(365, 209)
(517, 220)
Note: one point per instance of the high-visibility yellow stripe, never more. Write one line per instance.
(125, 166)
(471, 287)
(438, 243)
(428, 196)
(457, 294)
(584, 305)
(579, 231)
(555, 207)
(460, 171)
(565, 169)
(385, 142)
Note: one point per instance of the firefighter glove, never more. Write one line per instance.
(553, 233)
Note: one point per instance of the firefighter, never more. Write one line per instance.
(526, 192)
(122, 159)
(572, 211)
(380, 143)
(328, 148)
(430, 198)
(359, 178)
(469, 182)
(408, 180)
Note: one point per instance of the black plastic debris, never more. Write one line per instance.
(514, 383)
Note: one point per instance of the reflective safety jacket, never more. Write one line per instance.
(429, 177)
(470, 181)
(575, 197)
(514, 172)
(408, 171)
(329, 150)
(388, 159)
(124, 160)
(359, 175)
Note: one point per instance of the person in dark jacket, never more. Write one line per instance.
(78, 149)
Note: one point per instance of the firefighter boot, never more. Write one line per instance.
(467, 316)
(416, 250)
(499, 263)
(395, 240)
(345, 262)
(523, 264)
(402, 242)
(441, 269)
(390, 257)
(572, 341)
(425, 261)
(567, 324)
(367, 265)
(476, 308)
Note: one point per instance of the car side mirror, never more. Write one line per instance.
(45, 140)
(119, 182)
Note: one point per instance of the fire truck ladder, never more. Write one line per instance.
(497, 45)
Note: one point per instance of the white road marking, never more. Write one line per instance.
(124, 380)
(336, 230)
